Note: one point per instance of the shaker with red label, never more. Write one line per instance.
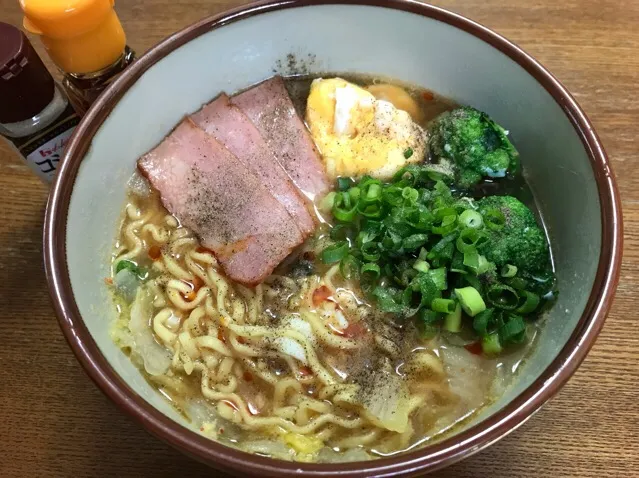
(35, 114)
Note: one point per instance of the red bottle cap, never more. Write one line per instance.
(26, 86)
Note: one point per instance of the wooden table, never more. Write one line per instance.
(55, 423)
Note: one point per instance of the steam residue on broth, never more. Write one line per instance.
(305, 365)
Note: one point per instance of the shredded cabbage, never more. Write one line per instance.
(156, 357)
(126, 282)
(386, 405)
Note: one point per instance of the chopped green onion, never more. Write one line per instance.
(349, 267)
(372, 192)
(472, 281)
(438, 276)
(326, 204)
(445, 306)
(503, 297)
(370, 271)
(528, 302)
(422, 254)
(406, 276)
(442, 252)
(482, 321)
(457, 263)
(477, 262)
(335, 252)
(471, 219)
(373, 210)
(341, 232)
(343, 184)
(452, 320)
(392, 195)
(407, 175)
(509, 271)
(429, 316)
(369, 232)
(513, 331)
(470, 300)
(421, 265)
(354, 193)
(410, 194)
(413, 242)
(370, 252)
(132, 266)
(447, 225)
(425, 287)
(471, 259)
(518, 283)
(408, 153)
(490, 344)
(391, 242)
(386, 300)
(469, 239)
(484, 265)
(343, 209)
(441, 212)
(494, 219)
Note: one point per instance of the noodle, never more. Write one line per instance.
(297, 368)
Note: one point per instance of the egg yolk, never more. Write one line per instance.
(358, 134)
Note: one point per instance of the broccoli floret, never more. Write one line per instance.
(519, 242)
(476, 146)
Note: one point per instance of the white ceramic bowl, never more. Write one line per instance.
(564, 162)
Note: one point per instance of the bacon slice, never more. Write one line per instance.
(270, 108)
(226, 123)
(222, 201)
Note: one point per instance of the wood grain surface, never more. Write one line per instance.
(55, 423)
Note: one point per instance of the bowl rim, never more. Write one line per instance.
(421, 460)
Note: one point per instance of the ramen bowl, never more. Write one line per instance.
(564, 162)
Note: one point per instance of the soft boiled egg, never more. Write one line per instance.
(358, 134)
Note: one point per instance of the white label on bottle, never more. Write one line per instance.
(44, 160)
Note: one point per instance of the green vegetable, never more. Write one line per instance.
(420, 249)
(438, 276)
(335, 252)
(445, 306)
(528, 302)
(519, 243)
(453, 320)
(326, 204)
(503, 297)
(343, 184)
(490, 344)
(483, 321)
(408, 153)
(370, 271)
(343, 207)
(421, 265)
(349, 267)
(513, 331)
(388, 300)
(509, 271)
(469, 239)
(470, 300)
(470, 218)
(475, 145)
(132, 266)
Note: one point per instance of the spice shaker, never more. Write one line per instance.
(85, 40)
(35, 115)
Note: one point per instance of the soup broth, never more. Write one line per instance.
(304, 365)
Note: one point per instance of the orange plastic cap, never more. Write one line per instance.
(81, 36)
